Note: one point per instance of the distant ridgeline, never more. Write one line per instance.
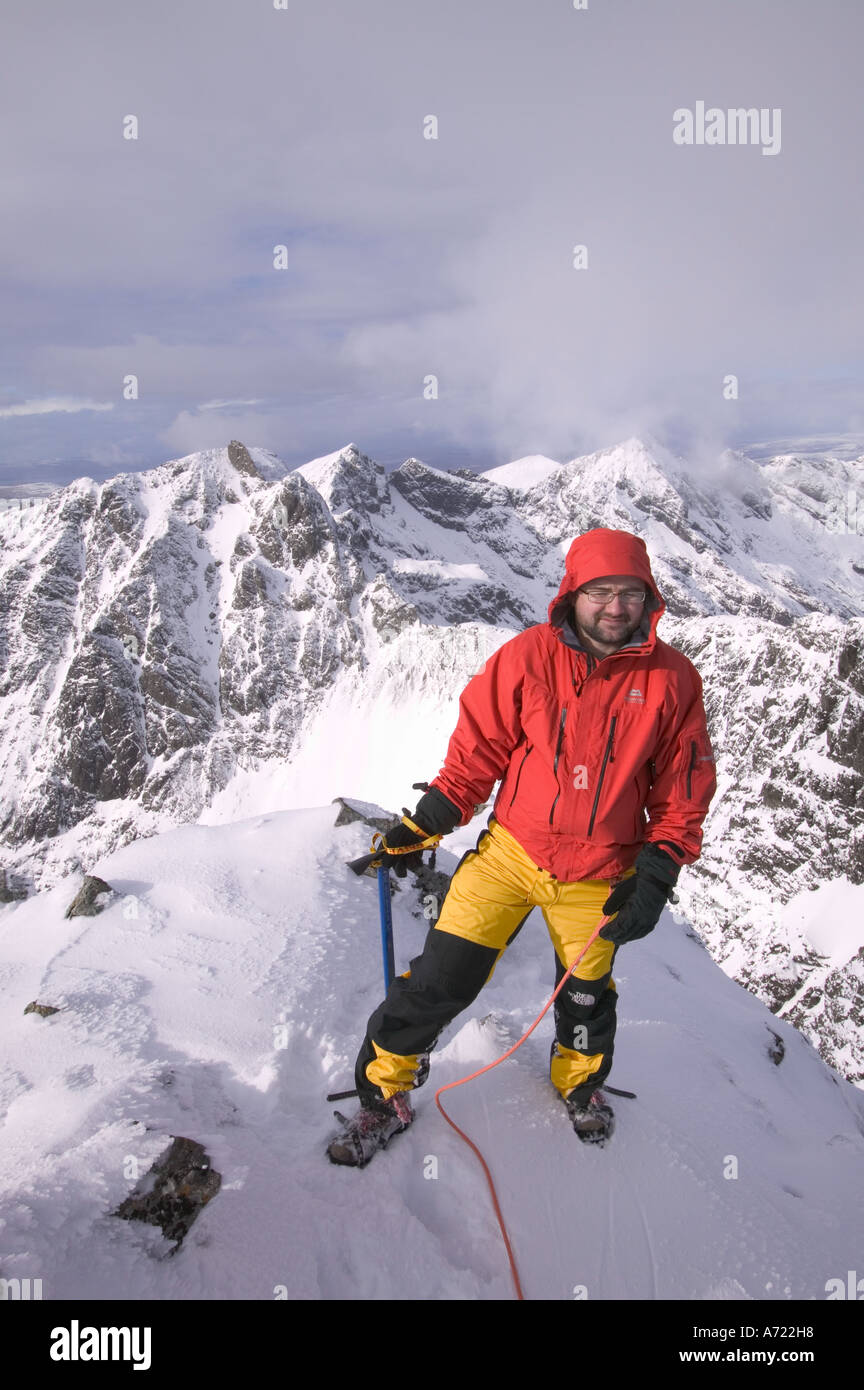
(24, 496)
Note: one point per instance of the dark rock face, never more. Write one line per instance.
(447, 500)
(831, 1013)
(241, 459)
(172, 1194)
(482, 510)
(850, 662)
(99, 723)
(44, 810)
(297, 527)
(13, 887)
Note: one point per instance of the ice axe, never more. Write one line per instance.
(386, 915)
(378, 860)
(364, 862)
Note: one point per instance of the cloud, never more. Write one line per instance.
(189, 432)
(410, 257)
(52, 405)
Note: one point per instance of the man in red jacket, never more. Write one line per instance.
(596, 730)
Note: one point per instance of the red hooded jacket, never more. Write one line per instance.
(595, 757)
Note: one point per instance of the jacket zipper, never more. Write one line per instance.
(519, 773)
(590, 663)
(606, 757)
(690, 769)
(557, 756)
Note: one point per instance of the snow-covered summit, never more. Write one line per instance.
(345, 478)
(522, 473)
(318, 471)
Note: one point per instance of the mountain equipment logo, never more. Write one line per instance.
(635, 697)
(102, 1344)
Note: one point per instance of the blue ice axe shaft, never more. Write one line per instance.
(386, 925)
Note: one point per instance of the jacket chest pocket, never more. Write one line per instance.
(535, 766)
(615, 769)
(540, 717)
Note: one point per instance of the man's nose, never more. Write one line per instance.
(616, 607)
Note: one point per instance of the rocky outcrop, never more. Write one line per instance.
(179, 1184)
(86, 901)
(43, 1010)
(240, 458)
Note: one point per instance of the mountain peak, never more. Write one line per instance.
(523, 473)
(633, 456)
(346, 478)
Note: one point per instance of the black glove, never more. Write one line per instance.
(395, 838)
(435, 814)
(640, 899)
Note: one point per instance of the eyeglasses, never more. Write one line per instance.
(597, 593)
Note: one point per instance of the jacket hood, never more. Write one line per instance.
(601, 552)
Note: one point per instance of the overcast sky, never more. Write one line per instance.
(410, 258)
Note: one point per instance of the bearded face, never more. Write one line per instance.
(607, 626)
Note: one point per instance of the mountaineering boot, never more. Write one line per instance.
(594, 1121)
(370, 1129)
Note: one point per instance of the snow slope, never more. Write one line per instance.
(224, 991)
(523, 473)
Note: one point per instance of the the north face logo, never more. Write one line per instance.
(579, 998)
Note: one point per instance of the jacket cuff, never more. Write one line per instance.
(657, 860)
(677, 853)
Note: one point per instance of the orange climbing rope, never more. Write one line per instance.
(489, 1065)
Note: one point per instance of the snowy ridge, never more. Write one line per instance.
(223, 992)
